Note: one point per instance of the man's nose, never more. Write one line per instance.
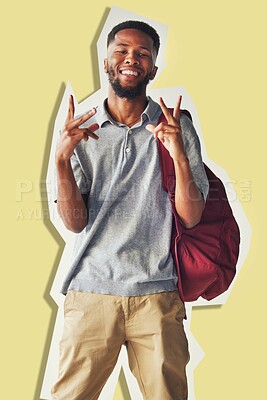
(131, 58)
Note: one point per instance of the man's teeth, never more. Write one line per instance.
(129, 72)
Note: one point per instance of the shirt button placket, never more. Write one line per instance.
(127, 149)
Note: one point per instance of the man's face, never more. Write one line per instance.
(130, 63)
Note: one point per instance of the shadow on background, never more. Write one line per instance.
(123, 386)
(211, 307)
(58, 239)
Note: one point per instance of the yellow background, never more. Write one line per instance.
(217, 50)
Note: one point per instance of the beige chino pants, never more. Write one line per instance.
(95, 328)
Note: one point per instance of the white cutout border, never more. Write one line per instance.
(170, 95)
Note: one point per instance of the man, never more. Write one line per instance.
(122, 286)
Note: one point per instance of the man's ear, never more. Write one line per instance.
(153, 73)
(105, 65)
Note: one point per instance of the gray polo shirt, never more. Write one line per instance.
(125, 248)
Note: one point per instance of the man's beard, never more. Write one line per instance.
(130, 92)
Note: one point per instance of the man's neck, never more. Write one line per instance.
(124, 110)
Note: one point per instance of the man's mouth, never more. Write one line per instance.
(129, 72)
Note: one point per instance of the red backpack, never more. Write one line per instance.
(205, 255)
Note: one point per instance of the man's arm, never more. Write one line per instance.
(189, 202)
(70, 203)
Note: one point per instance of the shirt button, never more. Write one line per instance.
(130, 131)
(127, 150)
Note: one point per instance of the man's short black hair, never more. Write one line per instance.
(139, 25)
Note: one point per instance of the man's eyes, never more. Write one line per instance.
(139, 54)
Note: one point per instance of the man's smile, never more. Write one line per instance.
(130, 72)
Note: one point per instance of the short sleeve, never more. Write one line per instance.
(193, 151)
(81, 181)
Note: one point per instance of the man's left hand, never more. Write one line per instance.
(170, 133)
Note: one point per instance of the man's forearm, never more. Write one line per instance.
(71, 206)
(189, 202)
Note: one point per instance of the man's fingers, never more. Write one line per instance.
(81, 120)
(177, 109)
(166, 111)
(163, 128)
(93, 127)
(151, 128)
(84, 133)
(71, 109)
(176, 112)
(161, 137)
(88, 133)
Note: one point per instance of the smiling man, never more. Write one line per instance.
(129, 80)
(122, 286)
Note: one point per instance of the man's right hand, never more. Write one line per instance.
(72, 134)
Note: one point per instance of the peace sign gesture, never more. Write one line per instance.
(72, 134)
(170, 133)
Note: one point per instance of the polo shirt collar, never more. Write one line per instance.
(149, 113)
